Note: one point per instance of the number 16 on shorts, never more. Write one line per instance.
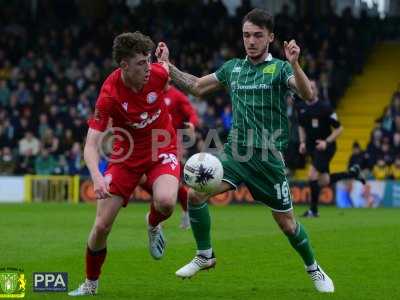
(282, 192)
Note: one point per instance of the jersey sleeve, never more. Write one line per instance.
(101, 116)
(223, 73)
(287, 73)
(333, 119)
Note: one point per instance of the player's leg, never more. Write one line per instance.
(272, 188)
(201, 228)
(122, 182)
(183, 198)
(96, 251)
(315, 190)
(164, 177)
(300, 241)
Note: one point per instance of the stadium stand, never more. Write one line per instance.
(50, 73)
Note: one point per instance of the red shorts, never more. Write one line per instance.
(124, 179)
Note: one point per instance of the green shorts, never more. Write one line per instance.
(262, 172)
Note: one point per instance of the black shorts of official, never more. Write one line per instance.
(321, 159)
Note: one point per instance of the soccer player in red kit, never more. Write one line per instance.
(131, 97)
(184, 118)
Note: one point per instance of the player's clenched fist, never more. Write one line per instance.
(162, 52)
(292, 51)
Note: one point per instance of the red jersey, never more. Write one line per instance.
(137, 114)
(179, 107)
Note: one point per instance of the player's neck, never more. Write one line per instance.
(259, 59)
(130, 84)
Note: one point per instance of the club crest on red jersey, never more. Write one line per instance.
(167, 101)
(151, 97)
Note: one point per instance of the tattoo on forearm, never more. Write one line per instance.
(184, 81)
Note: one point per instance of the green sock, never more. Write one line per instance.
(301, 244)
(201, 224)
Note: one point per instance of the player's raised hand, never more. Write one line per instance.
(292, 51)
(101, 188)
(162, 52)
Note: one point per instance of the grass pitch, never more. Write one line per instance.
(358, 248)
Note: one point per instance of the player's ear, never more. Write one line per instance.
(123, 64)
(271, 37)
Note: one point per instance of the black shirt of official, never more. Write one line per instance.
(317, 118)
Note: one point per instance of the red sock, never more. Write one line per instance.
(156, 217)
(94, 261)
(183, 197)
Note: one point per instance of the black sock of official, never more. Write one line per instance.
(314, 186)
(335, 177)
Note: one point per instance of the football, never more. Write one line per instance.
(203, 172)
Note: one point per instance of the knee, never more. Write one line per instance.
(288, 227)
(102, 228)
(165, 203)
(323, 180)
(196, 197)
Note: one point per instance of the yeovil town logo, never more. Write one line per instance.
(12, 283)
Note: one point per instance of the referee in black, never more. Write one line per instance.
(319, 128)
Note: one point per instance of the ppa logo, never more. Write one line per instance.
(50, 282)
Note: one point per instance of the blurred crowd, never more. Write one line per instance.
(381, 158)
(51, 71)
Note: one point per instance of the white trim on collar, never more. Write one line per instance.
(268, 58)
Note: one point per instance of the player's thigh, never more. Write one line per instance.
(199, 197)
(233, 170)
(267, 182)
(163, 176)
(313, 174)
(322, 159)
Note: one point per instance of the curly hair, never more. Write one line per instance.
(128, 44)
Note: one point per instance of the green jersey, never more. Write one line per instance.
(259, 107)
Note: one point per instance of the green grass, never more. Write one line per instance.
(359, 248)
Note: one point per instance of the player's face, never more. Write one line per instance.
(137, 69)
(256, 39)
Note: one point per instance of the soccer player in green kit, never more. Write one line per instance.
(257, 86)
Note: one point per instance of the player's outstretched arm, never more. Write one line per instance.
(184, 81)
(92, 158)
(300, 82)
(192, 84)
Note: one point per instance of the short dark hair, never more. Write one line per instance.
(128, 44)
(261, 18)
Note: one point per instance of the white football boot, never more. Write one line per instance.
(321, 281)
(87, 288)
(198, 263)
(156, 240)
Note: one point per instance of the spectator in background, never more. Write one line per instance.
(5, 94)
(45, 163)
(395, 169)
(357, 156)
(374, 148)
(381, 170)
(7, 162)
(50, 142)
(74, 159)
(227, 118)
(29, 145)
